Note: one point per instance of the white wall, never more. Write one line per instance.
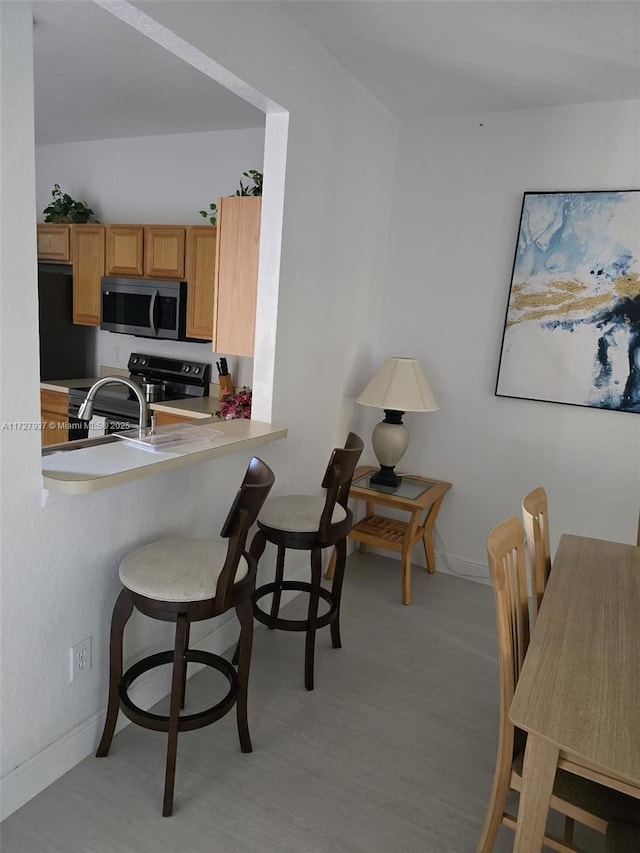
(153, 179)
(59, 562)
(455, 215)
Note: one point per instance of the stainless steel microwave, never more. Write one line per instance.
(144, 307)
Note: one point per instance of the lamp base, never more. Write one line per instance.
(386, 476)
(389, 439)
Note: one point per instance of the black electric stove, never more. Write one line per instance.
(176, 380)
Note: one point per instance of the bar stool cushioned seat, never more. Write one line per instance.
(184, 581)
(298, 513)
(178, 569)
(311, 523)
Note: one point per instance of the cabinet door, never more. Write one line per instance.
(200, 274)
(237, 274)
(124, 250)
(54, 407)
(53, 242)
(164, 251)
(88, 269)
(166, 418)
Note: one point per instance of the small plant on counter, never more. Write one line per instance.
(234, 406)
(211, 214)
(64, 209)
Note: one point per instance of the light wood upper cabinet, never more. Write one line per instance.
(164, 251)
(53, 242)
(88, 248)
(124, 250)
(221, 309)
(200, 274)
(153, 251)
(236, 288)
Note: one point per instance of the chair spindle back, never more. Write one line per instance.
(535, 515)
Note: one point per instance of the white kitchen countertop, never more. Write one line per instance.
(88, 468)
(63, 385)
(195, 407)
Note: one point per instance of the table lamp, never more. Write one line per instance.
(399, 386)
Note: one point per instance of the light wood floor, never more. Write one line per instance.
(392, 753)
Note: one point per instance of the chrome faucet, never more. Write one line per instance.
(86, 408)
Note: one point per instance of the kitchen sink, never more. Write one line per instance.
(171, 437)
(78, 445)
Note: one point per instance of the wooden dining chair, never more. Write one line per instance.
(577, 798)
(535, 515)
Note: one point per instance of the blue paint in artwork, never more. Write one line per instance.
(610, 272)
(566, 325)
(619, 327)
(624, 318)
(555, 238)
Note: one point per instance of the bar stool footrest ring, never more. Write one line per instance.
(188, 722)
(292, 624)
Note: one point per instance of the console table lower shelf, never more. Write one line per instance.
(421, 497)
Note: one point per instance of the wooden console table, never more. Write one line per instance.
(415, 495)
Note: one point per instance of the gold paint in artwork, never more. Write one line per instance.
(561, 299)
(627, 285)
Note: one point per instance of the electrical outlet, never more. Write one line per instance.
(80, 657)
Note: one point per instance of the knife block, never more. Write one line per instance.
(226, 386)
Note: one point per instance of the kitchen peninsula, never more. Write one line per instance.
(158, 415)
(88, 465)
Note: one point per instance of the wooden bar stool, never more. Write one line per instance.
(185, 581)
(309, 523)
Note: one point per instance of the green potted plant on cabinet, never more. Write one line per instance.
(64, 209)
(253, 189)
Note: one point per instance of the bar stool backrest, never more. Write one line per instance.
(248, 502)
(337, 480)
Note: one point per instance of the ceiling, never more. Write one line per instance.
(446, 57)
(96, 78)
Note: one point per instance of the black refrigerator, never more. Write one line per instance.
(67, 351)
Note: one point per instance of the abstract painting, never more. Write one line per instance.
(572, 330)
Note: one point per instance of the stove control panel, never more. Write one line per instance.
(169, 369)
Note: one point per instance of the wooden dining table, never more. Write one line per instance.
(578, 695)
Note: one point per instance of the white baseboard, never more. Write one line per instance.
(448, 564)
(460, 567)
(37, 773)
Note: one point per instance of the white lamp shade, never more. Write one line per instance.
(399, 384)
